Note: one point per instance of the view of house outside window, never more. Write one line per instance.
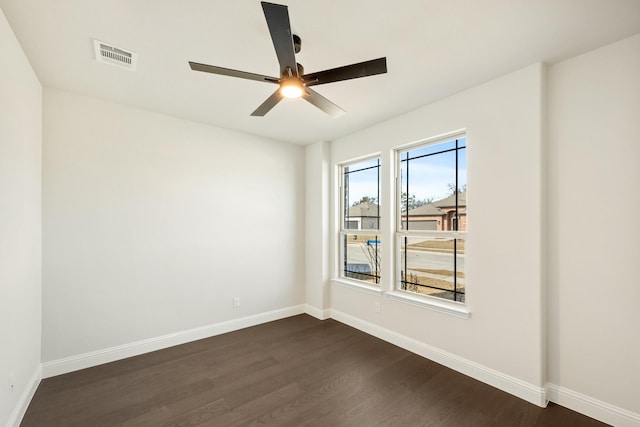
(360, 239)
(432, 219)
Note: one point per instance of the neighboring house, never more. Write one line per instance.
(439, 215)
(363, 216)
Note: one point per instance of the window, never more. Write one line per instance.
(432, 219)
(360, 221)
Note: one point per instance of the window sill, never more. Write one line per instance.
(430, 303)
(359, 286)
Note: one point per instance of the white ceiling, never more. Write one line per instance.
(434, 48)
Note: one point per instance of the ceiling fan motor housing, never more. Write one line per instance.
(297, 43)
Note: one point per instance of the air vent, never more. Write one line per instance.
(114, 56)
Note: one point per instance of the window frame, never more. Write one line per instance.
(343, 232)
(449, 306)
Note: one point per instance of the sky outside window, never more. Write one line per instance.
(362, 181)
(430, 178)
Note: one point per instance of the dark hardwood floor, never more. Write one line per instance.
(293, 372)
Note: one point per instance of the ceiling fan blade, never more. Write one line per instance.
(267, 105)
(353, 71)
(322, 103)
(277, 17)
(229, 72)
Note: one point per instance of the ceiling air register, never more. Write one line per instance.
(112, 55)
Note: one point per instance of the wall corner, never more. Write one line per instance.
(317, 179)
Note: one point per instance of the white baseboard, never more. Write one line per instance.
(507, 383)
(578, 402)
(591, 407)
(316, 312)
(25, 398)
(94, 358)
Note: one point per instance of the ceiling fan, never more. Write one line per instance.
(293, 83)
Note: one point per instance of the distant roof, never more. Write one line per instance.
(364, 209)
(427, 210)
(433, 209)
(450, 201)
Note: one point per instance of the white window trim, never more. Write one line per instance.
(431, 140)
(445, 234)
(342, 232)
(386, 289)
(357, 285)
(442, 305)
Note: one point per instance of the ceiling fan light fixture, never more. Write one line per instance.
(293, 82)
(291, 88)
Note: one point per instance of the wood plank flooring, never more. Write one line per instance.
(298, 371)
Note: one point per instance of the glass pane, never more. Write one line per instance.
(428, 267)
(433, 188)
(361, 195)
(427, 186)
(361, 257)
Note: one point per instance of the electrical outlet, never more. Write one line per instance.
(12, 381)
(236, 302)
(376, 307)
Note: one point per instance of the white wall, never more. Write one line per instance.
(553, 166)
(20, 229)
(594, 200)
(317, 215)
(503, 119)
(151, 225)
